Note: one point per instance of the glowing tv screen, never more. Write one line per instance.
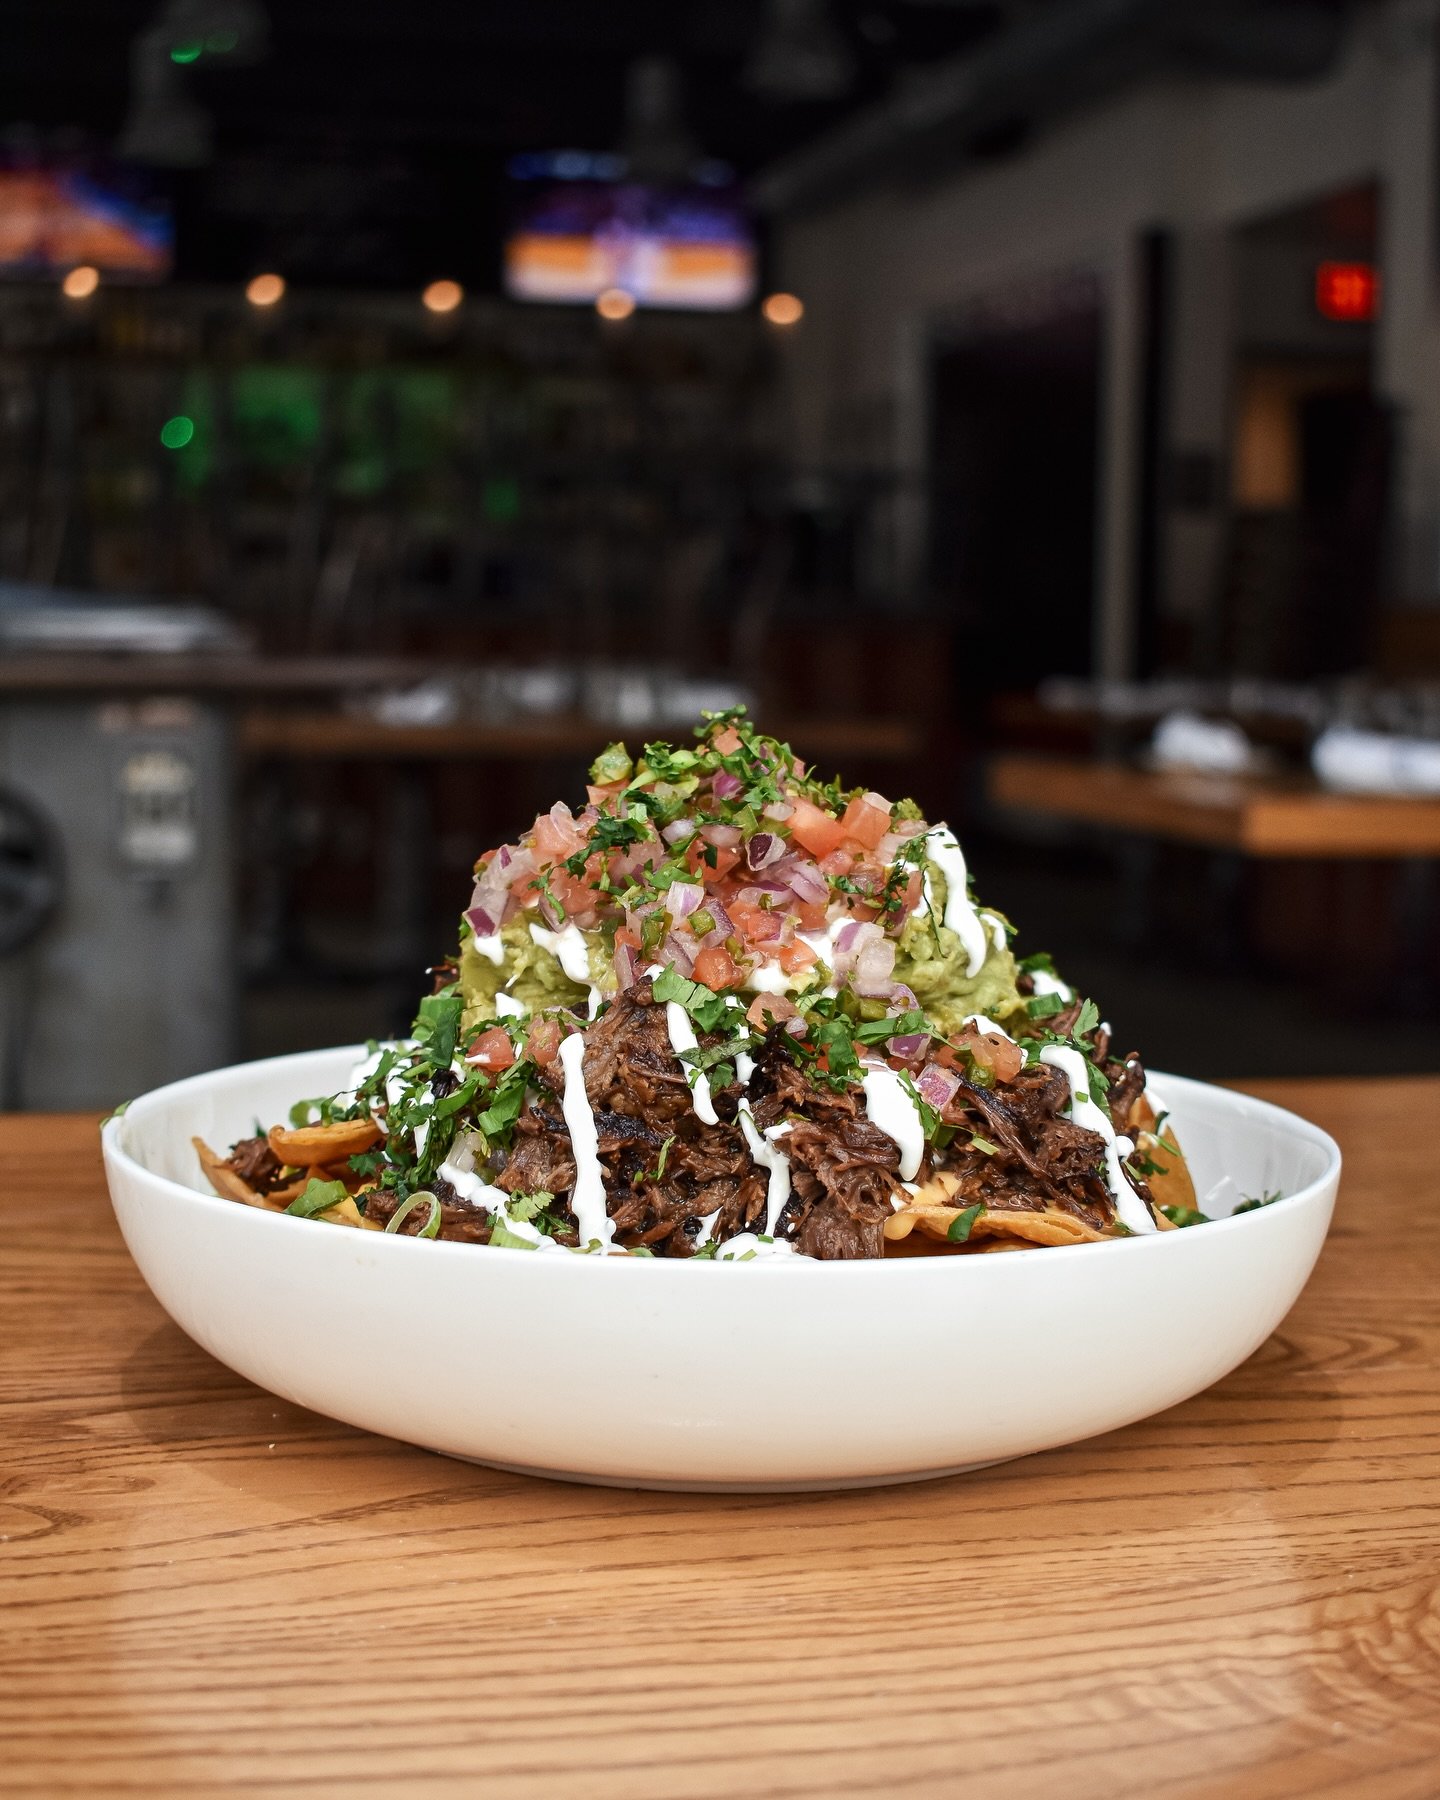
(53, 218)
(688, 247)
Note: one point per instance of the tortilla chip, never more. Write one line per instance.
(226, 1183)
(307, 1146)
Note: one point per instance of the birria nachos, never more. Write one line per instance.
(729, 1011)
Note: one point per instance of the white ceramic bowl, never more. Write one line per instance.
(658, 1373)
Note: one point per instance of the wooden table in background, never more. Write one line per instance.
(205, 1590)
(1254, 816)
(339, 737)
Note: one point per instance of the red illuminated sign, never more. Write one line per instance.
(1347, 291)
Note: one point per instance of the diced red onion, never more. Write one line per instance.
(803, 879)
(909, 1048)
(874, 967)
(846, 938)
(627, 970)
(899, 991)
(678, 952)
(727, 786)
(501, 860)
(756, 893)
(551, 913)
(763, 849)
(889, 847)
(937, 1086)
(682, 898)
(796, 1026)
(723, 837)
(778, 811)
(678, 831)
(722, 927)
(482, 922)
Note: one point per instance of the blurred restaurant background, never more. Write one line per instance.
(1030, 405)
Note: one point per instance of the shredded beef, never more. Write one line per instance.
(672, 1180)
(256, 1163)
(460, 1221)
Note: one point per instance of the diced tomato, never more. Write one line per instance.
(599, 795)
(556, 838)
(813, 829)
(491, 1050)
(838, 862)
(715, 968)
(867, 819)
(1003, 1059)
(796, 958)
(630, 939)
(697, 860)
(914, 887)
(754, 923)
(543, 1044)
(768, 1009)
(727, 742)
(810, 914)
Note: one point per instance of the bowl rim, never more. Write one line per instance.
(1319, 1188)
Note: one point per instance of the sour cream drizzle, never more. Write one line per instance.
(587, 1200)
(508, 1007)
(568, 947)
(981, 1023)
(1045, 983)
(961, 917)
(1129, 1207)
(489, 946)
(469, 1186)
(763, 1149)
(890, 1106)
(682, 1037)
(746, 1243)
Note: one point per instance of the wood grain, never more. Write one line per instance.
(208, 1591)
(1258, 817)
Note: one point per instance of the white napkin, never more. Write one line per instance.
(1370, 762)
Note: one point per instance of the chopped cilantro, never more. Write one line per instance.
(1184, 1215)
(1251, 1202)
(1087, 1021)
(1038, 961)
(437, 1026)
(1045, 1006)
(964, 1223)
(706, 1008)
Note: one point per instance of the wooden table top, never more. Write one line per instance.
(205, 1590)
(1258, 816)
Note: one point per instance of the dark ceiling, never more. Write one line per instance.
(368, 145)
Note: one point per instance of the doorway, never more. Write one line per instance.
(1013, 441)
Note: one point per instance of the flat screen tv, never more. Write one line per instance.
(571, 240)
(54, 217)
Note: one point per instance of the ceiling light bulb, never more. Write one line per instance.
(783, 309)
(614, 303)
(443, 296)
(80, 283)
(265, 290)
